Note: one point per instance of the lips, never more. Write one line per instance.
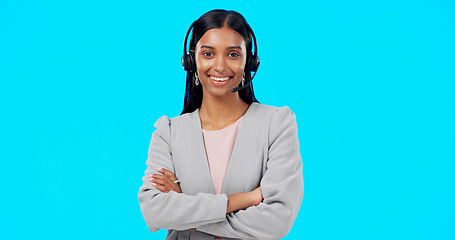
(219, 78)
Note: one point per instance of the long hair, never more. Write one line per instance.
(217, 19)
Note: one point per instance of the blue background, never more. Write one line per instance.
(372, 84)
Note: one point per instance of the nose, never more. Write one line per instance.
(220, 63)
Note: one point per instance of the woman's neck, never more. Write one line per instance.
(218, 113)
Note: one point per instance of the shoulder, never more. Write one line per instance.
(186, 120)
(165, 123)
(273, 120)
(162, 126)
(282, 124)
(266, 111)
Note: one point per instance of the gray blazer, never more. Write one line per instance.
(266, 153)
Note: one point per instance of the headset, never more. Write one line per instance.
(189, 62)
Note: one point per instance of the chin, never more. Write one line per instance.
(220, 93)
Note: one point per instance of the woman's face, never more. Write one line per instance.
(220, 60)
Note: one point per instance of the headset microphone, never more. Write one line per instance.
(246, 85)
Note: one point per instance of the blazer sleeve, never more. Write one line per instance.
(173, 210)
(281, 185)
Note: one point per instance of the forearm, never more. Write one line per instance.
(177, 210)
(238, 201)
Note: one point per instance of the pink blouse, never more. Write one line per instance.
(218, 146)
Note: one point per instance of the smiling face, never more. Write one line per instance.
(220, 59)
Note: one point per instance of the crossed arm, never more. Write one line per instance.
(166, 182)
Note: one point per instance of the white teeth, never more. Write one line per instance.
(219, 79)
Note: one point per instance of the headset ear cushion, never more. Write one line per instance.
(184, 60)
(253, 63)
(192, 61)
(188, 63)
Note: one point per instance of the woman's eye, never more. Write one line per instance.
(234, 54)
(207, 54)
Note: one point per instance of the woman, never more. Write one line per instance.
(227, 167)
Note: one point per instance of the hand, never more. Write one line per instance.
(256, 196)
(165, 181)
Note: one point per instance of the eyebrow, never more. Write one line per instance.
(232, 47)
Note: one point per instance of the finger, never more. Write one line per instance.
(163, 182)
(168, 173)
(161, 176)
(165, 188)
(166, 181)
(160, 187)
(151, 178)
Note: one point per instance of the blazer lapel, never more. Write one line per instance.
(200, 149)
(233, 177)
